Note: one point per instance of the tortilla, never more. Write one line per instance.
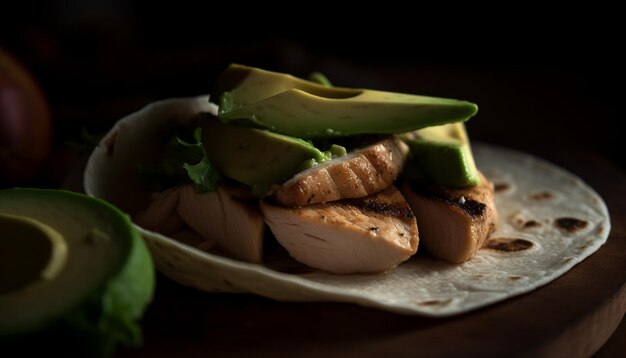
(550, 221)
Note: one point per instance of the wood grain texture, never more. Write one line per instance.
(572, 316)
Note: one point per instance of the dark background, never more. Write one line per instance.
(545, 79)
(548, 82)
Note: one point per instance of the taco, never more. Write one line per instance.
(541, 234)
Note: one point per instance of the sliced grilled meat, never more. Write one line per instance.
(228, 216)
(454, 223)
(357, 174)
(370, 234)
(161, 215)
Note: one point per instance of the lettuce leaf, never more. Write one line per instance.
(185, 161)
(202, 174)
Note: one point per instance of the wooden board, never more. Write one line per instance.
(573, 316)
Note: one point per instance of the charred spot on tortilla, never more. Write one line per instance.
(515, 277)
(435, 302)
(500, 187)
(508, 244)
(570, 224)
(541, 196)
(109, 143)
(517, 220)
(531, 223)
(520, 221)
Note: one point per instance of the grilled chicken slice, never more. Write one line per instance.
(357, 174)
(454, 223)
(370, 234)
(228, 216)
(161, 215)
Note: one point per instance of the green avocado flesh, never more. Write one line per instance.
(23, 237)
(305, 109)
(72, 261)
(257, 157)
(443, 154)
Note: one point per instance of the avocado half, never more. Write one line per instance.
(70, 264)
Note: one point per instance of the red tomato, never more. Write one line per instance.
(25, 124)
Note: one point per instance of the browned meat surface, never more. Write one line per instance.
(454, 223)
(228, 216)
(370, 234)
(226, 220)
(357, 174)
(161, 215)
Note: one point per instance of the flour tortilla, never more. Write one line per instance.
(548, 215)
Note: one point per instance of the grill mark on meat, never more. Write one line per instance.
(454, 222)
(360, 173)
(392, 209)
(348, 236)
(314, 237)
(471, 207)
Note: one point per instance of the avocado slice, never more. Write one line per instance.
(443, 154)
(70, 263)
(305, 109)
(258, 157)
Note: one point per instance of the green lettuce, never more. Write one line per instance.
(184, 161)
(202, 174)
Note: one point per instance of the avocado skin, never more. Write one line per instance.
(305, 109)
(107, 315)
(443, 154)
(256, 157)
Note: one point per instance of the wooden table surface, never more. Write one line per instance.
(572, 317)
